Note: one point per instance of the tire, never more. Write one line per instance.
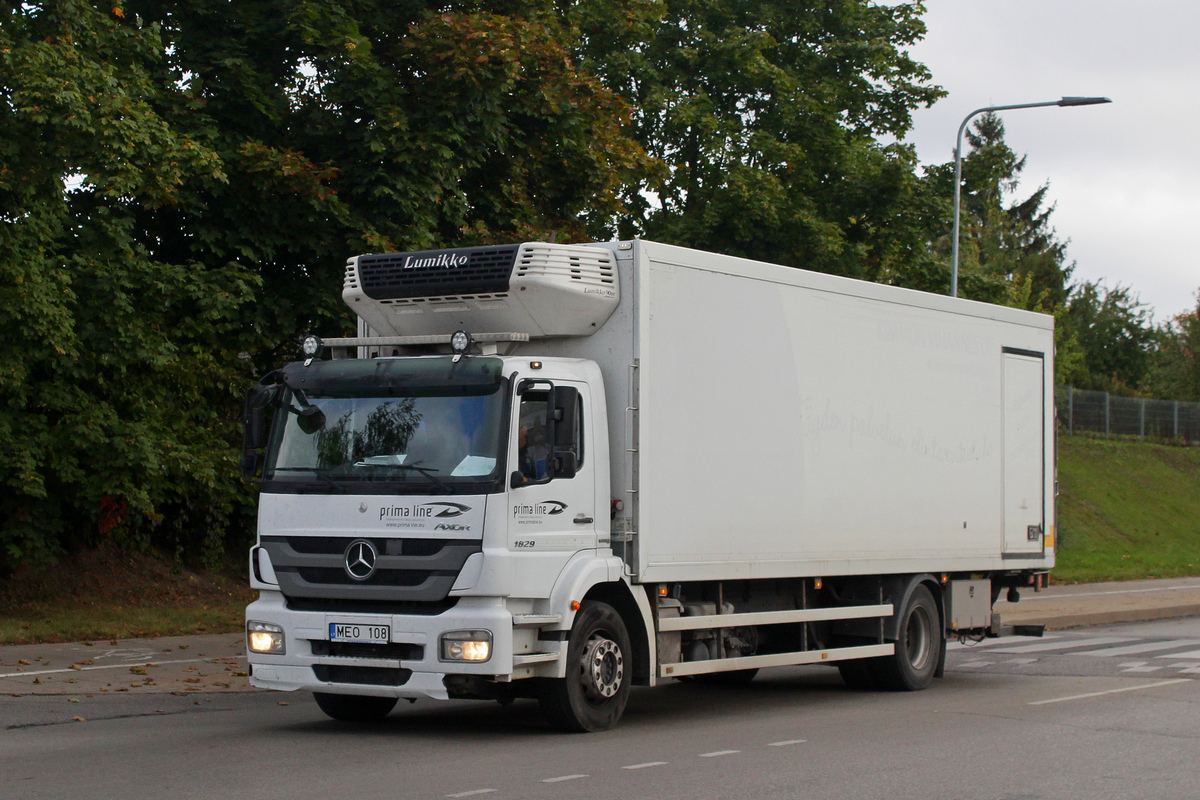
(918, 647)
(594, 692)
(354, 708)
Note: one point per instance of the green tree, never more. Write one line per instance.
(765, 116)
(1116, 335)
(1176, 371)
(115, 407)
(1009, 253)
(181, 181)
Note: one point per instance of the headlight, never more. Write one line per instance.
(263, 637)
(466, 646)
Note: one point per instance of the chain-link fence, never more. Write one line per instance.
(1081, 411)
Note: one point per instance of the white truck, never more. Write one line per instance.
(557, 471)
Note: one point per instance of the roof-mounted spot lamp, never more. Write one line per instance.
(460, 343)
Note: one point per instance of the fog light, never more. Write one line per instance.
(466, 646)
(263, 637)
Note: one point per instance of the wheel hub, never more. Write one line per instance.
(603, 668)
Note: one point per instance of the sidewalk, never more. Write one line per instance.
(1104, 603)
(175, 664)
(217, 663)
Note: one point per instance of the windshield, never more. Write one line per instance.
(421, 430)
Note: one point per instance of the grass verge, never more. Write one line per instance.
(103, 594)
(1127, 510)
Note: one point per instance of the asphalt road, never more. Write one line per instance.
(1096, 713)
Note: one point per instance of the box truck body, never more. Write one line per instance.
(661, 463)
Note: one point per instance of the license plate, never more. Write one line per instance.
(350, 632)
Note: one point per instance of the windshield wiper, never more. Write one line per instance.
(316, 471)
(425, 471)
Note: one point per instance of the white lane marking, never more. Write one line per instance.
(472, 793)
(113, 666)
(1110, 691)
(1001, 641)
(1041, 648)
(1133, 664)
(787, 742)
(716, 753)
(1191, 671)
(647, 764)
(1188, 654)
(1019, 661)
(973, 664)
(1134, 649)
(1142, 669)
(562, 778)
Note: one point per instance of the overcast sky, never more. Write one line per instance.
(1125, 177)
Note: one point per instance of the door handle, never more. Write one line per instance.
(582, 520)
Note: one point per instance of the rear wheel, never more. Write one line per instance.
(594, 692)
(918, 646)
(354, 708)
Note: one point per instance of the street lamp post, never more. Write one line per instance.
(1066, 101)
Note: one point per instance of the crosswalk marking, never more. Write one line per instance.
(1060, 645)
(1144, 647)
(1003, 640)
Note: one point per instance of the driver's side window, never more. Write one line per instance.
(533, 444)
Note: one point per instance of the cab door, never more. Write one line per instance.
(551, 472)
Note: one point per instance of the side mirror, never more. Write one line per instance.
(564, 404)
(251, 463)
(254, 428)
(564, 464)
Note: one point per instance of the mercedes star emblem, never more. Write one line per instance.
(360, 559)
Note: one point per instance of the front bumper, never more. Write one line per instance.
(299, 667)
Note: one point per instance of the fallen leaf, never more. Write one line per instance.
(138, 670)
(89, 644)
(72, 699)
(281, 703)
(26, 663)
(79, 719)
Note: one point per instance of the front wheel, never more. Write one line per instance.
(593, 694)
(354, 708)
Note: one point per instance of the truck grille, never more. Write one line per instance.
(373, 676)
(406, 570)
(339, 605)
(384, 276)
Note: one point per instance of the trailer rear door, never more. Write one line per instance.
(1024, 392)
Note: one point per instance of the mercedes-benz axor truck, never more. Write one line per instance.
(558, 471)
